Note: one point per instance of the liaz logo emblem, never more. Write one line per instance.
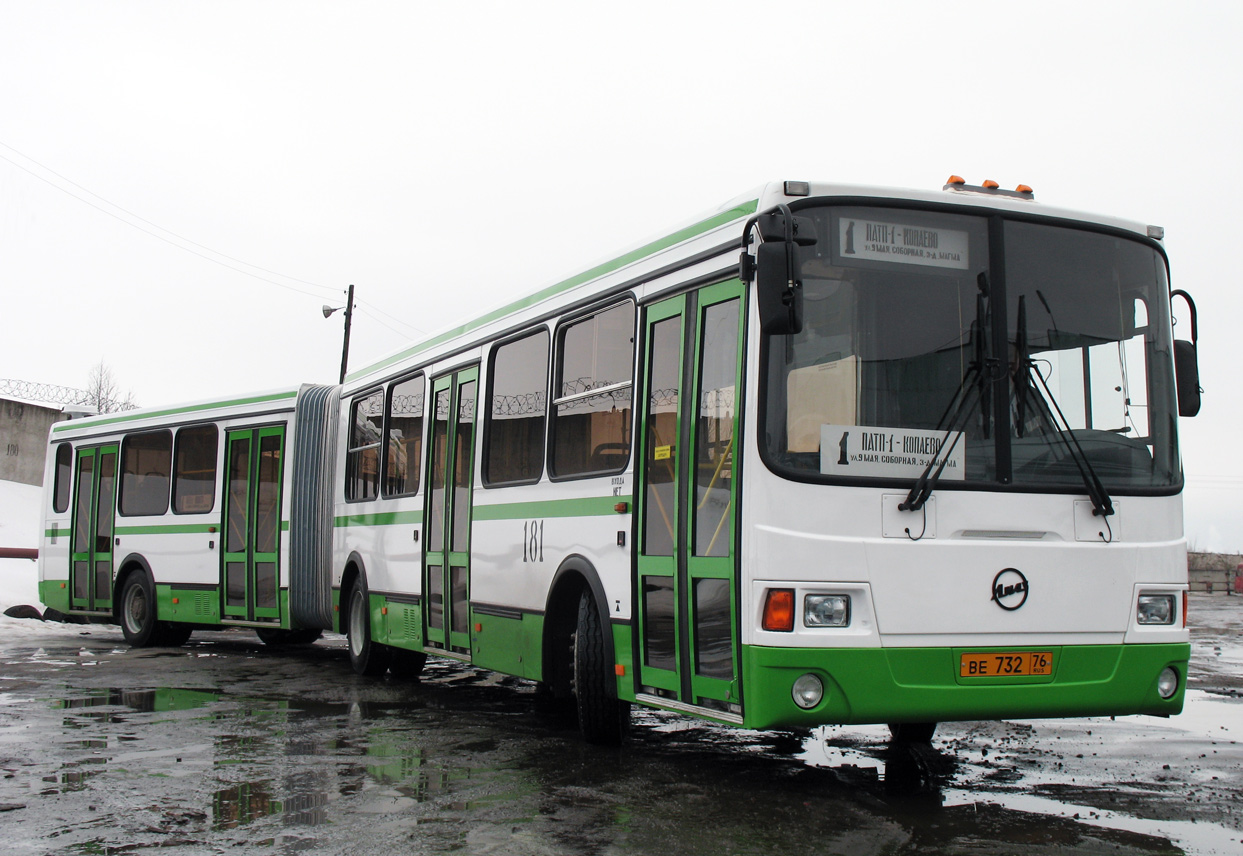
(1010, 589)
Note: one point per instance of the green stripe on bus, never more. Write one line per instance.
(382, 519)
(94, 421)
(595, 506)
(746, 209)
(168, 529)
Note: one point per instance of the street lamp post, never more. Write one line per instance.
(349, 316)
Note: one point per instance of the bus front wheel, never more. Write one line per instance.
(602, 718)
(367, 657)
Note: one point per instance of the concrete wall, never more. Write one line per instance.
(23, 437)
(1216, 573)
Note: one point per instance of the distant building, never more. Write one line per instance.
(24, 428)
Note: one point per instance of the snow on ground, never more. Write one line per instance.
(19, 527)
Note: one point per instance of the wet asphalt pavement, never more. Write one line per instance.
(225, 746)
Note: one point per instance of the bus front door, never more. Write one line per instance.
(446, 553)
(687, 598)
(250, 559)
(94, 502)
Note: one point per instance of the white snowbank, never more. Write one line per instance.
(19, 527)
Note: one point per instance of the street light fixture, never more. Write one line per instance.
(349, 316)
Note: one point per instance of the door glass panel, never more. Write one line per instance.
(265, 585)
(440, 439)
(235, 583)
(714, 654)
(436, 597)
(659, 512)
(714, 430)
(82, 510)
(268, 507)
(462, 468)
(103, 580)
(104, 505)
(81, 579)
(239, 481)
(658, 625)
(458, 612)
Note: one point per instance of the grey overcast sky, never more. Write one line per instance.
(184, 184)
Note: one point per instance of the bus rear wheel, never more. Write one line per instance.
(367, 657)
(603, 719)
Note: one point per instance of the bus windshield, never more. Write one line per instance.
(901, 352)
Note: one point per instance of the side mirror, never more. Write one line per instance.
(1186, 364)
(776, 269)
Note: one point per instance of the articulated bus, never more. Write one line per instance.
(828, 455)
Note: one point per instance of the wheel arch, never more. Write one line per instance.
(573, 576)
(131, 564)
(355, 569)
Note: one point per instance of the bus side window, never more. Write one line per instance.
(591, 416)
(64, 478)
(362, 457)
(146, 461)
(194, 476)
(403, 444)
(514, 450)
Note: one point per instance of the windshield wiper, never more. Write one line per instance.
(957, 412)
(1102, 504)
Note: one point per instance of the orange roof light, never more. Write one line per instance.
(1023, 188)
(956, 179)
(990, 184)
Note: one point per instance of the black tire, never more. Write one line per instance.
(138, 610)
(275, 637)
(406, 665)
(602, 719)
(911, 733)
(367, 657)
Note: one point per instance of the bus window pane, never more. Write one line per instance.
(103, 580)
(515, 432)
(440, 435)
(714, 651)
(461, 466)
(64, 478)
(658, 624)
(268, 503)
(235, 583)
(81, 580)
(404, 443)
(82, 508)
(436, 597)
(459, 613)
(194, 479)
(591, 434)
(362, 459)
(145, 466)
(239, 489)
(714, 429)
(661, 425)
(105, 503)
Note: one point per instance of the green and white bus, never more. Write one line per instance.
(828, 455)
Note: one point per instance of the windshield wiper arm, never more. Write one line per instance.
(1102, 505)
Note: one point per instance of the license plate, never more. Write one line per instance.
(1005, 665)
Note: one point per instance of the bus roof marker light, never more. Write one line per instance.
(990, 184)
(779, 611)
(955, 181)
(1023, 188)
(797, 188)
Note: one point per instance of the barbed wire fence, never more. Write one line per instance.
(52, 394)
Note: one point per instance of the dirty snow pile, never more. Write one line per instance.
(19, 527)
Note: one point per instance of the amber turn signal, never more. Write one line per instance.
(779, 610)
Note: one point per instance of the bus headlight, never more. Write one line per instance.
(808, 691)
(826, 610)
(1167, 683)
(1155, 609)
